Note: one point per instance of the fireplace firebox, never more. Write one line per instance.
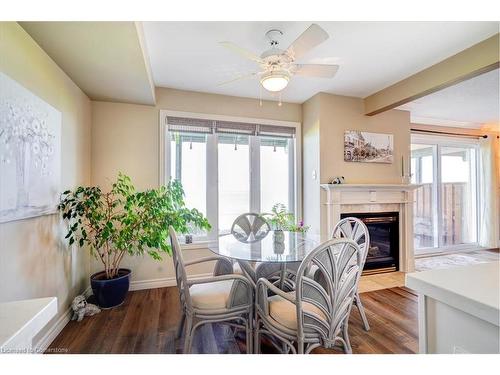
(383, 254)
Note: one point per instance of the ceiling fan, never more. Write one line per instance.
(277, 66)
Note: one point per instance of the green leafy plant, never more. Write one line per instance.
(125, 221)
(281, 219)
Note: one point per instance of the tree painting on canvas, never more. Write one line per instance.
(30, 149)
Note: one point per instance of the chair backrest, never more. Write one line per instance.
(250, 227)
(273, 273)
(338, 262)
(354, 229)
(180, 270)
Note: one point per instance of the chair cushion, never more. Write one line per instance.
(285, 313)
(214, 295)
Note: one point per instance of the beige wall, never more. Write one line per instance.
(311, 161)
(341, 113)
(335, 115)
(34, 261)
(125, 138)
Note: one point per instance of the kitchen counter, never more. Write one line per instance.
(459, 308)
(20, 321)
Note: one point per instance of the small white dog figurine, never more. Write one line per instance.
(81, 308)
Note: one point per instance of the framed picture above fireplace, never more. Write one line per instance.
(368, 147)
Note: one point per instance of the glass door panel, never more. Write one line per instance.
(424, 211)
(234, 179)
(186, 150)
(274, 173)
(458, 195)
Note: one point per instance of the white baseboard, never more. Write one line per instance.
(152, 283)
(57, 327)
(160, 283)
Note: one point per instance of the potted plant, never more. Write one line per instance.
(124, 221)
(281, 220)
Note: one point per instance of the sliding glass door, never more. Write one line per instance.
(423, 163)
(458, 193)
(445, 212)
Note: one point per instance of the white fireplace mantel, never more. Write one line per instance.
(350, 198)
(369, 193)
(400, 187)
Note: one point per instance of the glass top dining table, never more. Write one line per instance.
(284, 247)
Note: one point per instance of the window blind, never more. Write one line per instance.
(194, 125)
(190, 125)
(235, 127)
(277, 131)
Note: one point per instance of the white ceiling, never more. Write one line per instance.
(466, 104)
(371, 55)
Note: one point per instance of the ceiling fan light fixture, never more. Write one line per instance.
(275, 81)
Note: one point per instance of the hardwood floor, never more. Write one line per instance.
(147, 321)
(369, 283)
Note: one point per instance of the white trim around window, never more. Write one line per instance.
(212, 185)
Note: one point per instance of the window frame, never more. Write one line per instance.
(295, 165)
(438, 141)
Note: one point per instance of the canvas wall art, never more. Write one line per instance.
(368, 147)
(30, 153)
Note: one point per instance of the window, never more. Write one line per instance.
(275, 173)
(234, 178)
(445, 212)
(187, 150)
(228, 168)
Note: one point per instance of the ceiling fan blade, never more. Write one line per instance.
(309, 39)
(315, 70)
(239, 78)
(241, 51)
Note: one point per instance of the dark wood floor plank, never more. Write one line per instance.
(147, 323)
(128, 334)
(110, 323)
(379, 307)
(147, 337)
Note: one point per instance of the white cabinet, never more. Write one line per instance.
(458, 309)
(20, 321)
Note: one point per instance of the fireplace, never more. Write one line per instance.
(383, 254)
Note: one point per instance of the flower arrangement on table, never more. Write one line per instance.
(280, 219)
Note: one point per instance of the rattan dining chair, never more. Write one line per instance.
(253, 227)
(313, 315)
(216, 299)
(354, 229)
(250, 227)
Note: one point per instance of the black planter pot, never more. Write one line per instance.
(110, 293)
